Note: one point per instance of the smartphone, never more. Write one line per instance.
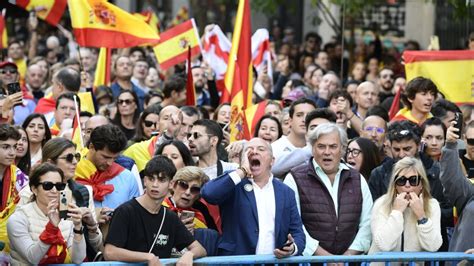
(470, 174)
(13, 88)
(423, 146)
(458, 119)
(186, 214)
(64, 199)
(109, 213)
(287, 244)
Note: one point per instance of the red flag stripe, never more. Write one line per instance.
(218, 51)
(89, 37)
(190, 91)
(176, 30)
(259, 112)
(179, 58)
(22, 3)
(262, 48)
(56, 12)
(418, 56)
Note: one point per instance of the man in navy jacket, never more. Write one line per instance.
(259, 213)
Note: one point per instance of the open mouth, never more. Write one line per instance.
(185, 200)
(267, 139)
(254, 164)
(351, 163)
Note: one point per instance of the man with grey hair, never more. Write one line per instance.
(333, 199)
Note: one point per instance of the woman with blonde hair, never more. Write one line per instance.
(406, 218)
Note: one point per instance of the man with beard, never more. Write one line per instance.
(200, 83)
(418, 98)
(259, 214)
(204, 138)
(404, 137)
(386, 79)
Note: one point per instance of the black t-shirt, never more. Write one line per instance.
(134, 228)
(468, 164)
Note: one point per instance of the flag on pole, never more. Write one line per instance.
(3, 31)
(395, 107)
(173, 46)
(97, 23)
(238, 78)
(216, 49)
(181, 16)
(261, 53)
(49, 10)
(102, 70)
(190, 91)
(451, 71)
(150, 18)
(253, 115)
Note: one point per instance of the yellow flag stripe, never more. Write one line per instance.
(172, 47)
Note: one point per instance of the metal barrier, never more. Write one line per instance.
(386, 257)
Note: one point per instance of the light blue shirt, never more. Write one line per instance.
(363, 238)
(125, 189)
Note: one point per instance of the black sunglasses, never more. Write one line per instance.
(414, 180)
(126, 102)
(149, 123)
(49, 185)
(70, 157)
(11, 71)
(196, 135)
(470, 142)
(184, 186)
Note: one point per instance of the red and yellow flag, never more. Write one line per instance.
(102, 70)
(49, 10)
(150, 18)
(190, 90)
(174, 44)
(238, 79)
(97, 23)
(3, 32)
(451, 71)
(253, 115)
(181, 16)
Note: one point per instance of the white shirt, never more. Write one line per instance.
(211, 171)
(282, 146)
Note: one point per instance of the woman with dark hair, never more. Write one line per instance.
(22, 159)
(177, 152)
(433, 137)
(127, 112)
(36, 232)
(268, 128)
(38, 132)
(148, 124)
(363, 155)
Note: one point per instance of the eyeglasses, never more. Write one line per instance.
(70, 157)
(414, 180)
(184, 186)
(379, 130)
(354, 152)
(149, 123)
(49, 185)
(470, 142)
(11, 71)
(126, 102)
(196, 135)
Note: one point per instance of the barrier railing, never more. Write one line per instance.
(387, 258)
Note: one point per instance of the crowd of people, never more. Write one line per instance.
(326, 172)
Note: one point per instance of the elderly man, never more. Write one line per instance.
(333, 199)
(259, 214)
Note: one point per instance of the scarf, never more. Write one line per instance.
(57, 252)
(87, 174)
(199, 220)
(405, 114)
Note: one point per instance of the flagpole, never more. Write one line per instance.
(78, 121)
(341, 74)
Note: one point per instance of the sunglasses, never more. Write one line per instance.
(377, 129)
(184, 186)
(49, 185)
(70, 157)
(414, 180)
(11, 71)
(126, 102)
(149, 123)
(354, 152)
(196, 135)
(470, 142)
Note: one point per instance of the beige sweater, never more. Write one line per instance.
(387, 229)
(24, 228)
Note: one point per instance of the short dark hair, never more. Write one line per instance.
(175, 83)
(271, 117)
(69, 96)
(189, 110)
(47, 132)
(9, 132)
(160, 167)
(138, 49)
(340, 93)
(324, 113)
(110, 137)
(416, 85)
(39, 171)
(378, 110)
(183, 150)
(441, 108)
(300, 101)
(139, 131)
(212, 128)
(69, 78)
(313, 34)
(152, 94)
(404, 130)
(433, 121)
(85, 114)
(370, 154)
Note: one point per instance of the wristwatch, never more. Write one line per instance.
(422, 220)
(79, 232)
(243, 170)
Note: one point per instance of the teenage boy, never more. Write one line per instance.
(141, 229)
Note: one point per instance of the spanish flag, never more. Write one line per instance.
(181, 16)
(174, 43)
(451, 71)
(97, 23)
(238, 79)
(49, 10)
(253, 115)
(142, 152)
(3, 32)
(102, 70)
(150, 18)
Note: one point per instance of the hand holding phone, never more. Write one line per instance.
(459, 122)
(186, 215)
(65, 197)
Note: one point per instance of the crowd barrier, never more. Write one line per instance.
(387, 257)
